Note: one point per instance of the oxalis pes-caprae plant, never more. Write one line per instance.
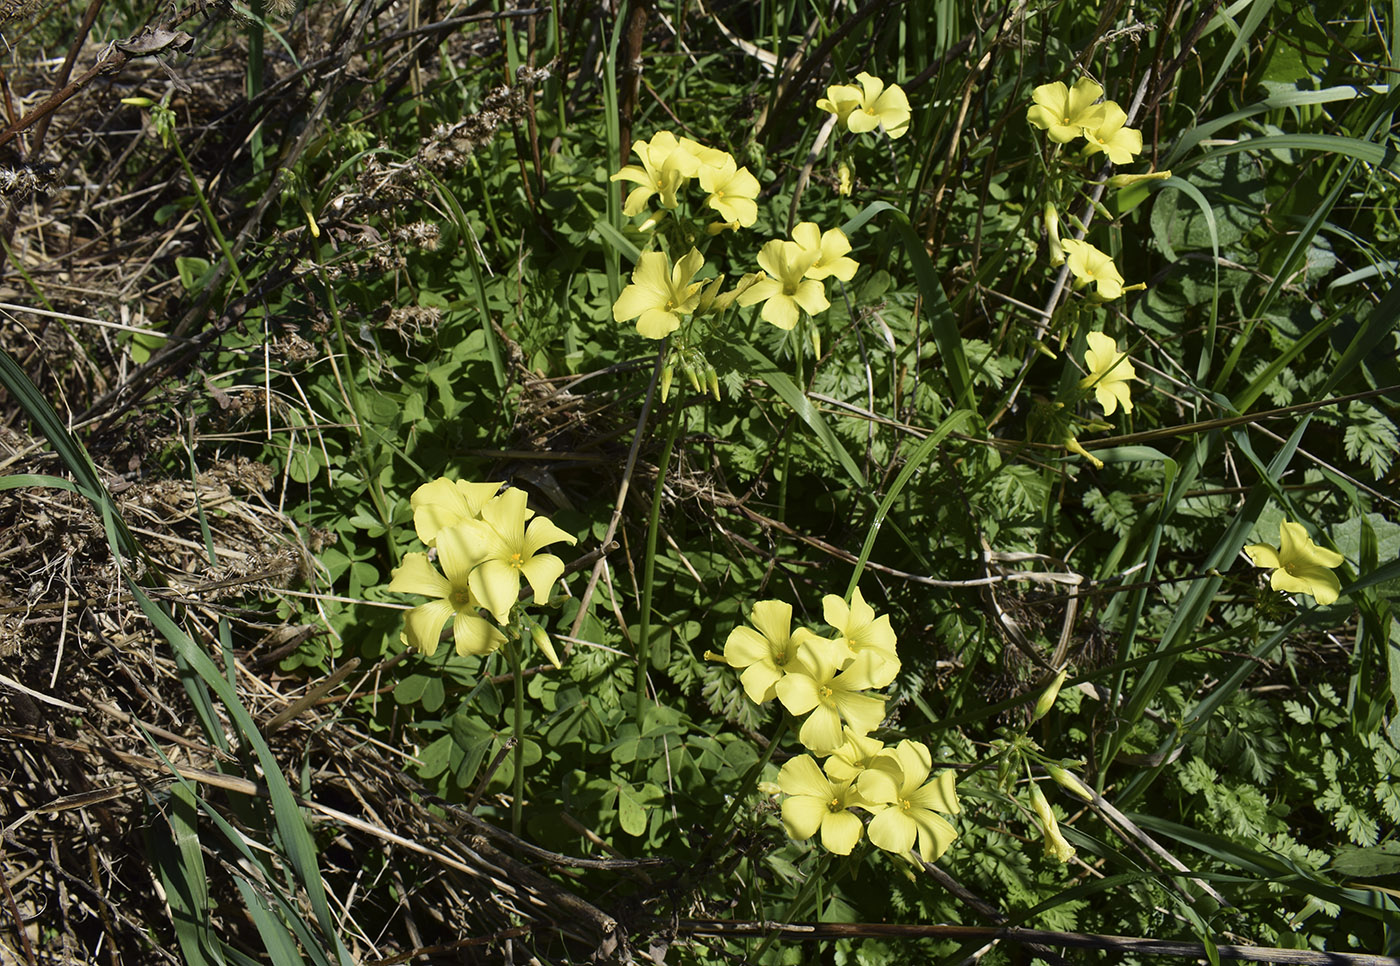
(837, 782)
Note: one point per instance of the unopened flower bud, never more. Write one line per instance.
(653, 221)
(843, 172)
(1124, 180)
(713, 378)
(1048, 696)
(1052, 229)
(545, 645)
(1070, 782)
(693, 377)
(666, 375)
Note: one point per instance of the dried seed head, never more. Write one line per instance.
(15, 9)
(22, 180)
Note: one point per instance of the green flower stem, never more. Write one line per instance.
(368, 467)
(746, 787)
(799, 902)
(649, 566)
(209, 215)
(797, 378)
(517, 793)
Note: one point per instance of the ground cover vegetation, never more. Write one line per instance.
(699, 482)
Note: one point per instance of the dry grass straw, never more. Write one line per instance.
(96, 728)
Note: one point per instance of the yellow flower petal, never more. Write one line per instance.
(417, 576)
(475, 635)
(497, 585)
(423, 625)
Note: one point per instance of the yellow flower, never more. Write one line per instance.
(789, 289)
(841, 100)
(854, 756)
(1300, 566)
(706, 157)
(898, 786)
(871, 105)
(815, 802)
(1111, 136)
(1088, 264)
(508, 550)
(665, 167)
(1064, 113)
(815, 683)
(829, 247)
(1109, 373)
(660, 294)
(765, 653)
(444, 503)
(732, 191)
(453, 598)
(1055, 843)
(861, 631)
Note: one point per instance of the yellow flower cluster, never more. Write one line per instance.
(793, 272)
(790, 280)
(826, 678)
(868, 105)
(1066, 113)
(669, 162)
(892, 784)
(485, 543)
(662, 294)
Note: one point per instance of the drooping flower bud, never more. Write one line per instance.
(1075, 446)
(545, 645)
(1055, 843)
(666, 375)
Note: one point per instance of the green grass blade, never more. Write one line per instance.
(797, 400)
(955, 421)
(291, 824)
(945, 326)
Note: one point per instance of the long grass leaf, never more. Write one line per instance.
(797, 400)
(291, 824)
(940, 314)
(955, 421)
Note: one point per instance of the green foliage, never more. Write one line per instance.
(460, 323)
